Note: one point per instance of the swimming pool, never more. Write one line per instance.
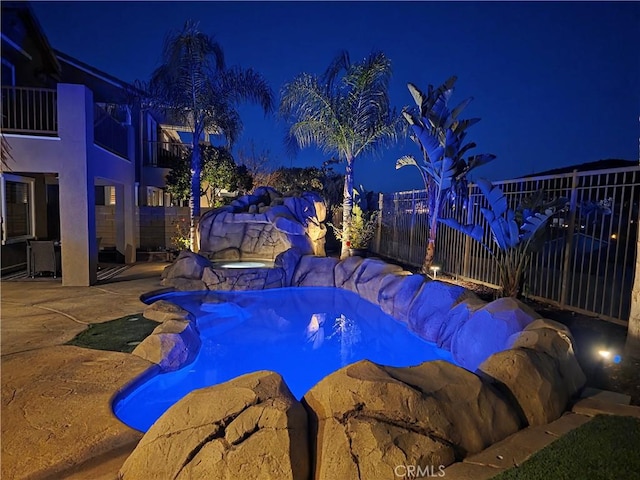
(303, 333)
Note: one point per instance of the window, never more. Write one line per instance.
(152, 141)
(18, 215)
(105, 194)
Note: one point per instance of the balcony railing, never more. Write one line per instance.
(109, 133)
(31, 111)
(164, 154)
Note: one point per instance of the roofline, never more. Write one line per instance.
(66, 58)
(41, 36)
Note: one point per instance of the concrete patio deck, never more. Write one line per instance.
(56, 415)
(56, 411)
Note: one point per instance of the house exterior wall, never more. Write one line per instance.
(69, 157)
(73, 156)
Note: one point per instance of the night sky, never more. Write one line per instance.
(554, 83)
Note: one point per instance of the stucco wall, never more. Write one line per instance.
(78, 163)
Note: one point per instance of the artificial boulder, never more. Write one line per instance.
(457, 317)
(367, 419)
(488, 330)
(162, 310)
(188, 265)
(555, 340)
(288, 261)
(249, 427)
(265, 224)
(243, 278)
(531, 378)
(431, 305)
(370, 275)
(397, 293)
(314, 272)
(346, 272)
(172, 345)
(185, 273)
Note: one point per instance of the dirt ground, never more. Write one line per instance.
(592, 334)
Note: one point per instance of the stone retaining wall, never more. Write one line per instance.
(364, 419)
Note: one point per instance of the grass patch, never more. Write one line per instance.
(606, 448)
(120, 335)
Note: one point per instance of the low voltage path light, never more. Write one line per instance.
(434, 269)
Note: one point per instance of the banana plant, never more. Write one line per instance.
(440, 134)
(515, 234)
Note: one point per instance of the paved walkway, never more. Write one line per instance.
(56, 415)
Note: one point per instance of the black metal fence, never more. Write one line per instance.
(586, 263)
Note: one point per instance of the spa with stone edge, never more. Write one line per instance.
(482, 371)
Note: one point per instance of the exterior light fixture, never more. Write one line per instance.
(614, 236)
(608, 355)
(435, 269)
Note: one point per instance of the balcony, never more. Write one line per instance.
(29, 111)
(108, 131)
(164, 154)
(34, 111)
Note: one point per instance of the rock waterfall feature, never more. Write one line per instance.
(263, 225)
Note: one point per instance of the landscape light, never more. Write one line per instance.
(608, 355)
(435, 269)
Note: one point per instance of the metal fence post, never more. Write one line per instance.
(466, 262)
(568, 248)
(396, 250)
(380, 213)
(412, 225)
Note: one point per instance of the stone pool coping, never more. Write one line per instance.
(447, 315)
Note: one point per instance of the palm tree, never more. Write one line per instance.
(345, 112)
(195, 89)
(440, 134)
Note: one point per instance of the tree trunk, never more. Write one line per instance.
(632, 346)
(194, 200)
(430, 253)
(434, 207)
(347, 207)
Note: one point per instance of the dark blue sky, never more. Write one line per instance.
(555, 83)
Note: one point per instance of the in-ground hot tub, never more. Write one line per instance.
(303, 333)
(238, 264)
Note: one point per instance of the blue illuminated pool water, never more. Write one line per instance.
(302, 333)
